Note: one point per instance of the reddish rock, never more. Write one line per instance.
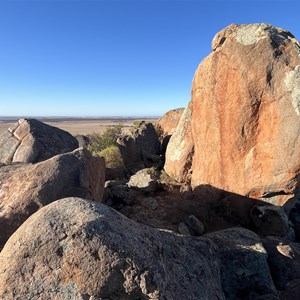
(169, 121)
(25, 188)
(180, 149)
(246, 114)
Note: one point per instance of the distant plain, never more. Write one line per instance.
(79, 125)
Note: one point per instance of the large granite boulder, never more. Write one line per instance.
(30, 140)
(180, 149)
(25, 188)
(78, 249)
(169, 121)
(246, 113)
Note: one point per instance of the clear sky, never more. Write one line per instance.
(114, 58)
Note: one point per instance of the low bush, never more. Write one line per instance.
(100, 141)
(113, 158)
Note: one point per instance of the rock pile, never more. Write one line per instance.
(25, 188)
(237, 144)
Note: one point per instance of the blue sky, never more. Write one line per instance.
(114, 58)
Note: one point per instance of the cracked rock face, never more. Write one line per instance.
(79, 249)
(25, 188)
(30, 140)
(245, 121)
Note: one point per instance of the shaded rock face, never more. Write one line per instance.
(146, 140)
(246, 114)
(270, 220)
(94, 252)
(30, 140)
(243, 261)
(25, 188)
(180, 149)
(141, 149)
(169, 121)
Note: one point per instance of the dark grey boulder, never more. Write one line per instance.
(243, 261)
(270, 220)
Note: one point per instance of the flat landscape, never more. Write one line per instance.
(79, 125)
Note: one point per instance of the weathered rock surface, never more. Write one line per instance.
(284, 260)
(270, 220)
(292, 291)
(169, 121)
(180, 149)
(78, 249)
(144, 180)
(243, 260)
(246, 114)
(30, 140)
(25, 188)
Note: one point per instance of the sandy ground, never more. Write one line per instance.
(82, 126)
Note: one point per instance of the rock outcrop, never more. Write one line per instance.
(169, 121)
(25, 188)
(246, 113)
(180, 149)
(140, 149)
(78, 249)
(30, 140)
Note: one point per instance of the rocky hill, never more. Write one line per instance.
(206, 203)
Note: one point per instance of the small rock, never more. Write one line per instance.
(110, 183)
(150, 202)
(195, 225)
(183, 229)
(144, 180)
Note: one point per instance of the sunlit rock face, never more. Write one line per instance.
(30, 140)
(245, 121)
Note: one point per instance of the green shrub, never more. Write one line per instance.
(113, 158)
(100, 141)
